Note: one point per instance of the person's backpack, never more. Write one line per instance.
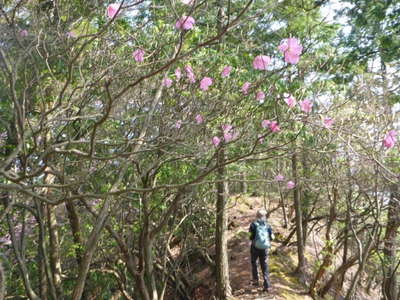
(262, 240)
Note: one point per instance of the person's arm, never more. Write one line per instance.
(252, 231)
(271, 234)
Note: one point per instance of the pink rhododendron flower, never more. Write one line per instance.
(216, 140)
(306, 105)
(226, 71)
(23, 33)
(112, 10)
(265, 123)
(390, 139)
(290, 101)
(245, 87)
(178, 74)
(226, 127)
(279, 177)
(205, 83)
(261, 62)
(185, 23)
(138, 55)
(199, 119)
(228, 136)
(188, 69)
(292, 49)
(274, 126)
(167, 82)
(192, 78)
(290, 185)
(190, 74)
(178, 124)
(392, 133)
(328, 122)
(260, 96)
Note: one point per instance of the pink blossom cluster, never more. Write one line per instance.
(199, 119)
(305, 105)
(138, 55)
(290, 184)
(390, 139)
(229, 133)
(291, 49)
(260, 96)
(205, 83)
(113, 9)
(167, 82)
(226, 71)
(272, 125)
(190, 74)
(185, 23)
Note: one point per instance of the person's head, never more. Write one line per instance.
(262, 214)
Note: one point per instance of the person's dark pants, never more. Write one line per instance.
(262, 256)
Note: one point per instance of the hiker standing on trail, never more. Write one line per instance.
(261, 236)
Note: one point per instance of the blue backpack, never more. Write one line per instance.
(262, 239)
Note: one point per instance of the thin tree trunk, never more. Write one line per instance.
(42, 272)
(299, 222)
(328, 249)
(221, 240)
(282, 203)
(144, 274)
(54, 241)
(47, 287)
(74, 222)
(21, 264)
(346, 242)
(349, 198)
(76, 230)
(221, 243)
(43, 285)
(305, 197)
(149, 265)
(2, 282)
(147, 261)
(362, 257)
(54, 248)
(390, 287)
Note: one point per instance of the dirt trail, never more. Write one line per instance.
(281, 265)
